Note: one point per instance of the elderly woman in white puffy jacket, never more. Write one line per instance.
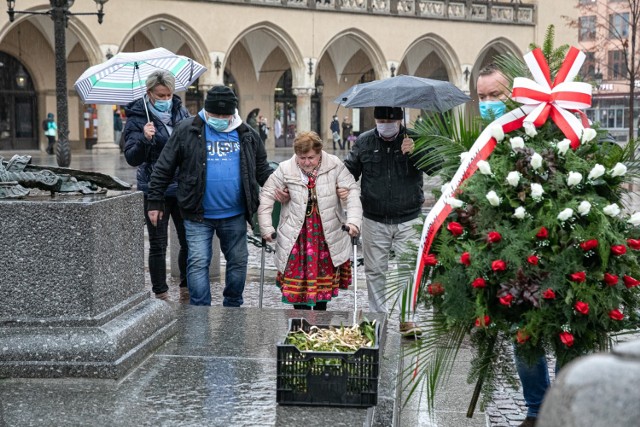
(312, 249)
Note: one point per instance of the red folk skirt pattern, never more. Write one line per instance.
(310, 275)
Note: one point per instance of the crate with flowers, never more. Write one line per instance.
(529, 246)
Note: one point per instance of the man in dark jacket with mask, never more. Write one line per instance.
(392, 198)
(222, 162)
(147, 131)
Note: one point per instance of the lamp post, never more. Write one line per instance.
(59, 13)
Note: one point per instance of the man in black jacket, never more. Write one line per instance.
(392, 198)
(221, 164)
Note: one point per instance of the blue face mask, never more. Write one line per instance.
(162, 105)
(218, 124)
(490, 110)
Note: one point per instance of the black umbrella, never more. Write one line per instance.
(406, 92)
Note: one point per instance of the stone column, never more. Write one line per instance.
(106, 139)
(303, 108)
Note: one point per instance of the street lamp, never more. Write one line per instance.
(59, 13)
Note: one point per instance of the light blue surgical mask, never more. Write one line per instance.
(490, 110)
(218, 124)
(162, 105)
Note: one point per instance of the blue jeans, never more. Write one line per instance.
(232, 233)
(535, 382)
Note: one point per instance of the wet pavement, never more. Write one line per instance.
(506, 409)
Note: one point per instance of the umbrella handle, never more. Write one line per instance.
(144, 102)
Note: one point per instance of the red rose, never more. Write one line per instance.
(522, 337)
(479, 283)
(455, 228)
(506, 300)
(542, 234)
(618, 250)
(634, 244)
(435, 289)
(494, 237)
(630, 282)
(430, 260)
(610, 279)
(615, 314)
(579, 277)
(533, 260)
(549, 294)
(582, 307)
(589, 244)
(465, 259)
(483, 322)
(498, 265)
(566, 338)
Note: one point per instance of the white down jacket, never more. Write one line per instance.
(332, 174)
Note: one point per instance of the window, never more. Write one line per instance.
(587, 28)
(588, 70)
(619, 25)
(617, 65)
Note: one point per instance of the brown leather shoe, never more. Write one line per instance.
(410, 330)
(164, 296)
(184, 294)
(529, 422)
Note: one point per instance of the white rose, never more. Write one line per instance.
(536, 161)
(497, 132)
(484, 167)
(618, 170)
(565, 214)
(454, 203)
(563, 146)
(597, 171)
(536, 191)
(584, 208)
(516, 142)
(520, 212)
(493, 198)
(574, 178)
(463, 156)
(612, 210)
(588, 134)
(530, 129)
(634, 219)
(513, 178)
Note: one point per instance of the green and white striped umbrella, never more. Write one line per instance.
(122, 78)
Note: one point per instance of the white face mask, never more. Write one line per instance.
(388, 130)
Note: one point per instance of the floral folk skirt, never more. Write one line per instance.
(310, 275)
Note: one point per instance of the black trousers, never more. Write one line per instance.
(52, 142)
(158, 238)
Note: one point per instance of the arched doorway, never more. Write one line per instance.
(18, 112)
(285, 110)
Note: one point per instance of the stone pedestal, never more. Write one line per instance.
(72, 296)
(600, 390)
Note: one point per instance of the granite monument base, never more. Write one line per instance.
(599, 390)
(72, 296)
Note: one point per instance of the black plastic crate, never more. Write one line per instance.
(327, 378)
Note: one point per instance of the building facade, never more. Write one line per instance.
(288, 58)
(605, 35)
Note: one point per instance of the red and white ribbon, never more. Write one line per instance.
(541, 99)
(558, 100)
